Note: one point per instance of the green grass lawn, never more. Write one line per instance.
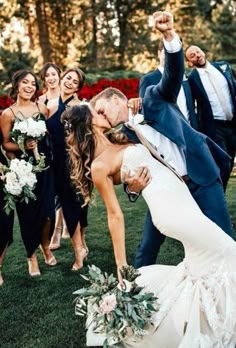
(39, 312)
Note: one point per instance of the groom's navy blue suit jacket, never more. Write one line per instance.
(162, 113)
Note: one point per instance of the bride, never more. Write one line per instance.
(197, 297)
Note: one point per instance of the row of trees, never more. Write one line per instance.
(107, 34)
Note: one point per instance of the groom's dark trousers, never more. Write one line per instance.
(205, 161)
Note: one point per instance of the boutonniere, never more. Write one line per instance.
(136, 119)
(223, 67)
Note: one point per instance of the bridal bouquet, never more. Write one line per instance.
(30, 128)
(116, 312)
(19, 180)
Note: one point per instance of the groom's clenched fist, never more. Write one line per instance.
(163, 21)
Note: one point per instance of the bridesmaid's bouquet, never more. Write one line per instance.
(30, 128)
(19, 180)
(116, 312)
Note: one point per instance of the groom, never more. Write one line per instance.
(189, 152)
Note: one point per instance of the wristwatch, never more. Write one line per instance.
(133, 196)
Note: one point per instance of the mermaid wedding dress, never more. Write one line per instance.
(197, 298)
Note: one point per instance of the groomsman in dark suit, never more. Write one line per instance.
(214, 89)
(184, 100)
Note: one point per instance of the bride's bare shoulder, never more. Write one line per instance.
(100, 165)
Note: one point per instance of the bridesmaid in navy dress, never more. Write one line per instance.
(36, 218)
(50, 76)
(6, 221)
(75, 216)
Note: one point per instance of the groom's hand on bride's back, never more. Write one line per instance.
(136, 183)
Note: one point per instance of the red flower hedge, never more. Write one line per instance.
(128, 86)
(5, 102)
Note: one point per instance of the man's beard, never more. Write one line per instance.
(201, 65)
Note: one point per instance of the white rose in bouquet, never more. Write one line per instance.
(19, 182)
(36, 129)
(30, 128)
(22, 127)
(29, 180)
(12, 184)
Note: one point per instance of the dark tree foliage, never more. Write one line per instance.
(110, 35)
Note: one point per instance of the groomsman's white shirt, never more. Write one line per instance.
(165, 147)
(222, 87)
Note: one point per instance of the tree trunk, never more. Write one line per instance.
(42, 24)
(122, 23)
(94, 31)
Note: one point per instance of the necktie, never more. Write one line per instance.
(151, 148)
(220, 94)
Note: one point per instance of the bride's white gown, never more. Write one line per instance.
(198, 296)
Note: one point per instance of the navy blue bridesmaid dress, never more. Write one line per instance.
(69, 200)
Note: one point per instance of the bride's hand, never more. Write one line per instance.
(119, 276)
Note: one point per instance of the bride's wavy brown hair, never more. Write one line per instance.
(81, 144)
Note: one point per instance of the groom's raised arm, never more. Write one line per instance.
(170, 84)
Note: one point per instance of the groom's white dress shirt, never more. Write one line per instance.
(171, 153)
(181, 99)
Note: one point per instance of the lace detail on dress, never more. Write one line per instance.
(211, 296)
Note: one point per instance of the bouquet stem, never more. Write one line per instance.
(36, 153)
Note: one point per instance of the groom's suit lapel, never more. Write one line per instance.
(173, 129)
(130, 134)
(163, 128)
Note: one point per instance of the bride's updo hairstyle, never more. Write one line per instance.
(80, 140)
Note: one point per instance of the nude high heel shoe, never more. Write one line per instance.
(80, 255)
(84, 245)
(33, 266)
(65, 233)
(56, 239)
(49, 258)
(1, 278)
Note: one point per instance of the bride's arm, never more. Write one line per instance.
(104, 184)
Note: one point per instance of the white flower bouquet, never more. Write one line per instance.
(19, 180)
(30, 128)
(116, 312)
